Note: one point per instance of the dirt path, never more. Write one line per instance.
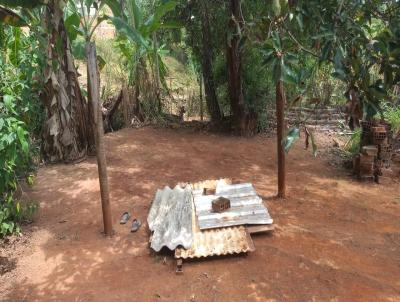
(335, 239)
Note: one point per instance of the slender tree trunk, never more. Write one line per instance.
(244, 123)
(280, 125)
(206, 64)
(127, 106)
(157, 73)
(99, 136)
(108, 117)
(66, 134)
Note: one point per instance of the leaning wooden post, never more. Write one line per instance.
(99, 135)
(280, 125)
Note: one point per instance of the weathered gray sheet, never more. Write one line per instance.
(246, 207)
(170, 218)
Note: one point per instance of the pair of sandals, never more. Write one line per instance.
(135, 223)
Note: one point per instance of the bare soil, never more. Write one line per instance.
(336, 239)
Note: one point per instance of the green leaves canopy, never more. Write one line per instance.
(130, 23)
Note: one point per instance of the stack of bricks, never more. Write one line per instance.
(375, 150)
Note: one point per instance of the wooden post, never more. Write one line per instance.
(99, 136)
(280, 126)
(201, 97)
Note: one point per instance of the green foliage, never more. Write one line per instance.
(79, 48)
(138, 44)
(14, 160)
(392, 116)
(20, 122)
(291, 137)
(361, 40)
(115, 73)
(353, 145)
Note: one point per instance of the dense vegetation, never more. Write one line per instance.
(235, 53)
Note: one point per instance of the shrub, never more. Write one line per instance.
(392, 116)
(353, 145)
(20, 114)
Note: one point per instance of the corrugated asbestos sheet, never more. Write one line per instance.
(170, 218)
(246, 207)
(176, 221)
(216, 242)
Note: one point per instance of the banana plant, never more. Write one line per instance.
(131, 23)
(80, 21)
(138, 41)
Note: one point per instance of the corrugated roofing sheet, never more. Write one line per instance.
(216, 242)
(246, 207)
(170, 218)
(173, 210)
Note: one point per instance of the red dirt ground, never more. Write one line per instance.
(335, 240)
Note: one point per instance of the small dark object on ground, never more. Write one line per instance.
(124, 218)
(220, 204)
(6, 265)
(135, 225)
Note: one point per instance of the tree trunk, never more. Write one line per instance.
(157, 74)
(206, 64)
(280, 126)
(127, 106)
(109, 114)
(242, 120)
(66, 134)
(94, 80)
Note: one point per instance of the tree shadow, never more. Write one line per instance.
(327, 231)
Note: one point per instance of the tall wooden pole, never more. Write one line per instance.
(280, 125)
(201, 97)
(99, 136)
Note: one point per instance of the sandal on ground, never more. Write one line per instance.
(135, 225)
(124, 218)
